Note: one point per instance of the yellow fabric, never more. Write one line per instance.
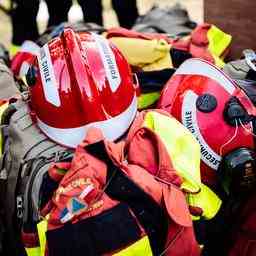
(147, 99)
(185, 153)
(207, 200)
(33, 251)
(183, 148)
(141, 247)
(14, 49)
(41, 230)
(147, 54)
(2, 109)
(218, 43)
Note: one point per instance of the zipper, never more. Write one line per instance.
(20, 202)
(27, 200)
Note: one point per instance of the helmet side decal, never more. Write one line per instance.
(109, 62)
(49, 82)
(195, 67)
(189, 120)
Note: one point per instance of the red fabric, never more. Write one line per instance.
(167, 194)
(123, 32)
(146, 149)
(30, 240)
(2, 102)
(196, 43)
(54, 172)
(85, 171)
(244, 237)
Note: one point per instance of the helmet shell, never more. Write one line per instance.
(197, 95)
(81, 80)
(24, 58)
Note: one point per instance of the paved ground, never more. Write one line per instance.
(195, 8)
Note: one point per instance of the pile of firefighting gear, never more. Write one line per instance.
(128, 142)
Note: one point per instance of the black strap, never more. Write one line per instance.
(251, 75)
(150, 215)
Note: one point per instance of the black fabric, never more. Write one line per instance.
(24, 15)
(48, 187)
(251, 75)
(150, 215)
(126, 11)
(24, 25)
(109, 231)
(92, 11)
(58, 11)
(179, 56)
(152, 81)
(218, 231)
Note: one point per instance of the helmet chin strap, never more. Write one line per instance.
(247, 130)
(231, 139)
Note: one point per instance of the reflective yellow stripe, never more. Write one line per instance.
(182, 147)
(218, 43)
(184, 152)
(14, 49)
(140, 248)
(207, 200)
(147, 99)
(33, 251)
(41, 229)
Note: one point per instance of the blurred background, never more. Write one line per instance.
(194, 7)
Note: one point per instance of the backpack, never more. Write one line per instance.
(7, 83)
(27, 155)
(173, 21)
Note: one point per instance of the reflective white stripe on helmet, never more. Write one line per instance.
(109, 62)
(189, 120)
(30, 47)
(24, 69)
(112, 128)
(49, 82)
(203, 68)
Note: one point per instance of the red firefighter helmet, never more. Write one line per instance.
(215, 110)
(22, 60)
(80, 80)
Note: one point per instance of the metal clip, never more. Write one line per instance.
(19, 204)
(25, 95)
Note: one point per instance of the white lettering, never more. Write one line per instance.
(49, 82)
(109, 62)
(189, 119)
